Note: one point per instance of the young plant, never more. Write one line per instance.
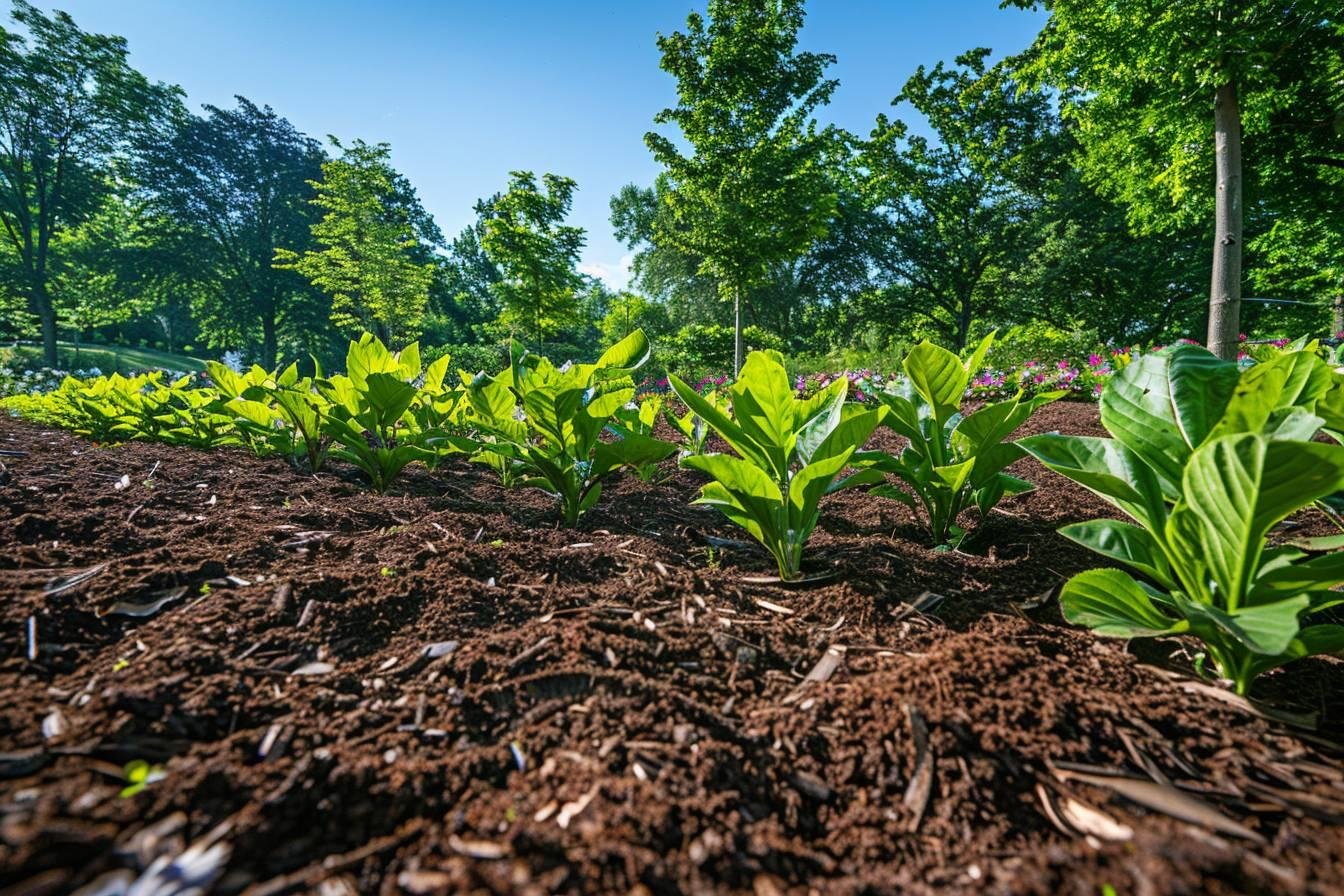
(639, 419)
(952, 462)
(543, 423)
(367, 405)
(692, 426)
(790, 453)
(1206, 461)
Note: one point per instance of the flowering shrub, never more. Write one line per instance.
(39, 381)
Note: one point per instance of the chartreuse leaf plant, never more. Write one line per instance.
(367, 407)
(1206, 460)
(544, 423)
(639, 418)
(694, 431)
(791, 452)
(951, 462)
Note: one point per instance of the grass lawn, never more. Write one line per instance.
(107, 358)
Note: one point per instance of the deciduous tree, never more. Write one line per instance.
(536, 254)
(69, 102)
(1164, 95)
(369, 254)
(238, 182)
(750, 190)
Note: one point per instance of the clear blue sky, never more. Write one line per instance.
(467, 91)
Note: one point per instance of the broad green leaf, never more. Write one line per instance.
(1105, 467)
(1164, 405)
(628, 354)
(1111, 602)
(737, 475)
(388, 397)
(955, 475)
(1242, 485)
(1127, 543)
(938, 377)
(1293, 379)
(1267, 628)
(719, 421)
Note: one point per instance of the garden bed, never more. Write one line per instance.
(438, 690)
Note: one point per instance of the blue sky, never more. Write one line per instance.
(467, 91)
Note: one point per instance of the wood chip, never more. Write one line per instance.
(477, 849)
(921, 782)
(569, 811)
(1162, 798)
(772, 606)
(65, 583)
(147, 606)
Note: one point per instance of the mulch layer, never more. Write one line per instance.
(441, 691)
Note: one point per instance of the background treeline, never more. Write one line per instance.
(1070, 188)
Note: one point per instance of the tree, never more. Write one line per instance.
(369, 254)
(1165, 93)
(536, 254)
(68, 103)
(956, 216)
(238, 181)
(754, 191)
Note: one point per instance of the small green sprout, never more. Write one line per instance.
(139, 775)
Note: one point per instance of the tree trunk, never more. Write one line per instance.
(964, 326)
(269, 348)
(47, 312)
(1225, 290)
(737, 332)
(1337, 316)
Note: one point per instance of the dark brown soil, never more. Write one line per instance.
(614, 709)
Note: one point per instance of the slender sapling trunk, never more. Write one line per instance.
(1225, 289)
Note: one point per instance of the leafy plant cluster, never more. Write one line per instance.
(1206, 458)
(561, 429)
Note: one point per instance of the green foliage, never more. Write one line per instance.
(365, 417)
(545, 422)
(958, 219)
(639, 419)
(69, 105)
(470, 357)
(1206, 461)
(693, 428)
(535, 254)
(755, 190)
(236, 185)
(368, 256)
(698, 350)
(952, 462)
(790, 453)
(629, 312)
(1042, 342)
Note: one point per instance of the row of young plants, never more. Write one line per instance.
(1205, 456)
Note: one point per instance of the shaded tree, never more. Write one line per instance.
(69, 102)
(1164, 96)
(752, 192)
(369, 250)
(238, 182)
(956, 217)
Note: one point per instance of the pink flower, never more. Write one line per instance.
(1094, 360)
